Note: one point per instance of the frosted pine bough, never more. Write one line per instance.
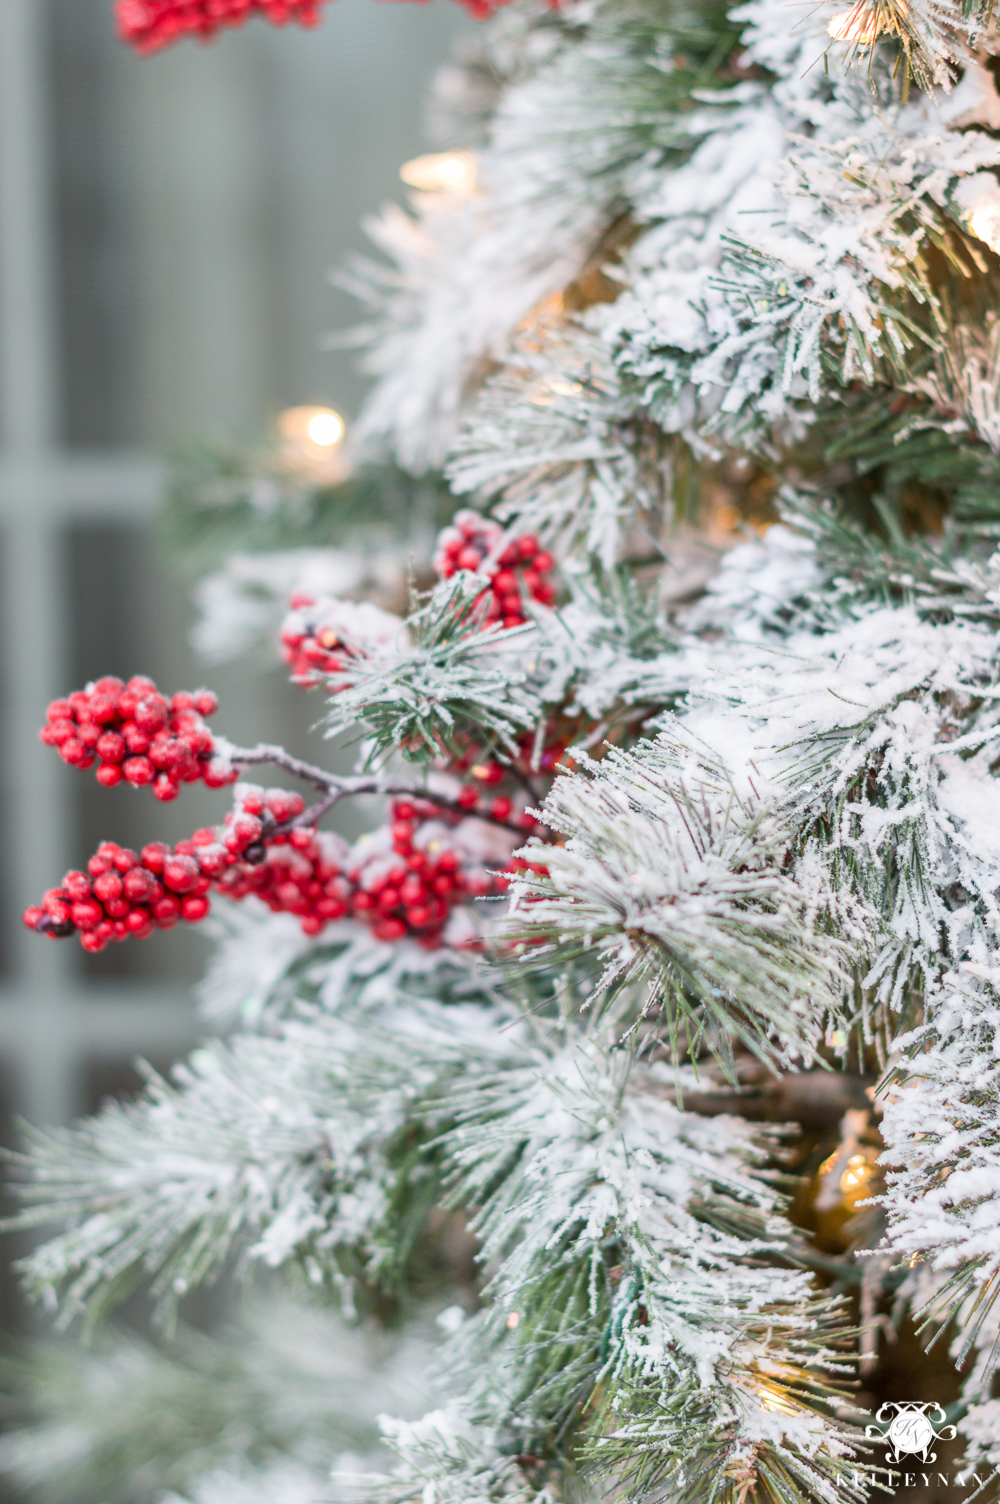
(716, 326)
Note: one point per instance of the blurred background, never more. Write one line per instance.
(166, 230)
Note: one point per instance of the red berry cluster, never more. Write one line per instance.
(138, 735)
(514, 570)
(411, 885)
(151, 24)
(321, 634)
(148, 25)
(405, 879)
(122, 894)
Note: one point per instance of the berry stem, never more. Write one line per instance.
(335, 787)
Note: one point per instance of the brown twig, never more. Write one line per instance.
(335, 786)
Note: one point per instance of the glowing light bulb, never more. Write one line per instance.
(443, 171)
(859, 25)
(985, 225)
(326, 429)
(311, 442)
(978, 198)
(857, 1173)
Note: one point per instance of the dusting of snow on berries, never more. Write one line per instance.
(148, 25)
(516, 570)
(403, 880)
(138, 736)
(322, 633)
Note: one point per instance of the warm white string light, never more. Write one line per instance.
(978, 200)
(312, 442)
(441, 172)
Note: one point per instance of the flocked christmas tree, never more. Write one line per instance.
(692, 824)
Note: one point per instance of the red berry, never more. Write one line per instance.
(136, 741)
(247, 828)
(103, 708)
(194, 908)
(468, 797)
(155, 855)
(139, 885)
(33, 915)
(92, 941)
(311, 924)
(180, 873)
(527, 546)
(331, 908)
(111, 747)
(108, 886)
(214, 861)
(167, 909)
(140, 923)
(151, 713)
(138, 771)
(86, 914)
(500, 808)
(283, 805)
(77, 885)
(216, 774)
(205, 702)
(389, 929)
(59, 710)
(61, 732)
(116, 908)
(470, 524)
(543, 562)
(165, 788)
(108, 775)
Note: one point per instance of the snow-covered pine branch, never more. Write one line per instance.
(678, 885)
(631, 1301)
(292, 1145)
(453, 679)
